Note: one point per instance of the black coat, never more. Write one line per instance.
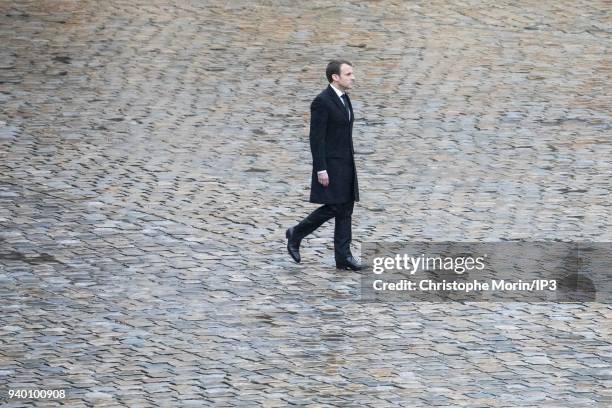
(331, 144)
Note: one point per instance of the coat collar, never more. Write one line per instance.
(334, 96)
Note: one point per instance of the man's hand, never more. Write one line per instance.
(323, 178)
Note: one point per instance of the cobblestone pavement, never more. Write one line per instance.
(153, 152)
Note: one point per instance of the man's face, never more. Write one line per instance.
(346, 79)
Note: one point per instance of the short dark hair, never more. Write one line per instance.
(334, 68)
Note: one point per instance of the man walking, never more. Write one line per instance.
(334, 178)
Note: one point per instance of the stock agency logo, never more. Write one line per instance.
(411, 264)
(487, 271)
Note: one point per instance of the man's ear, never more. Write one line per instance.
(335, 77)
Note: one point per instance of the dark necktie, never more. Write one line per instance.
(346, 105)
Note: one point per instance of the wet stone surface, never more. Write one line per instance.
(153, 153)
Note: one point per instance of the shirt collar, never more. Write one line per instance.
(338, 92)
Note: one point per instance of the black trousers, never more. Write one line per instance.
(342, 230)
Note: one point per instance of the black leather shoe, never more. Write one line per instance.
(293, 247)
(350, 263)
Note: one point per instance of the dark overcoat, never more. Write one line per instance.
(331, 145)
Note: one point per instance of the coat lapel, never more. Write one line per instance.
(332, 94)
